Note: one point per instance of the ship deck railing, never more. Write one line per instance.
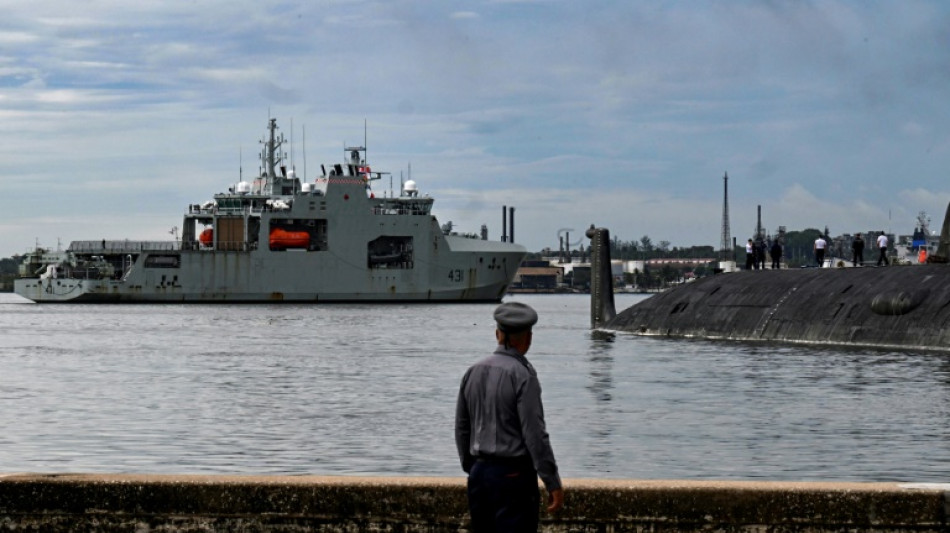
(222, 246)
(106, 247)
(225, 207)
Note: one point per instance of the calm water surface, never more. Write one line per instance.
(370, 390)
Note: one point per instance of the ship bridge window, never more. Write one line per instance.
(390, 252)
(230, 205)
(402, 206)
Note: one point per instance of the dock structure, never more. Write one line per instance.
(144, 503)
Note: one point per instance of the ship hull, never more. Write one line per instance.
(891, 307)
(76, 291)
(246, 277)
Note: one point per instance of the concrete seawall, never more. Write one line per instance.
(143, 503)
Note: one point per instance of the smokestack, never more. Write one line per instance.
(511, 224)
(758, 225)
(504, 223)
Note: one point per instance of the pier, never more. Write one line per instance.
(143, 503)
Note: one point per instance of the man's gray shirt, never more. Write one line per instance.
(499, 414)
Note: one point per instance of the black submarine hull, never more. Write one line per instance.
(901, 307)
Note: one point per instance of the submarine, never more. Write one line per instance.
(890, 307)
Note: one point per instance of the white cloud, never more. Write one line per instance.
(17, 38)
(623, 114)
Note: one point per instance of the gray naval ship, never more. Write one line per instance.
(278, 238)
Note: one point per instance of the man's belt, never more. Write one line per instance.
(518, 460)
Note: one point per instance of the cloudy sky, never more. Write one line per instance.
(115, 115)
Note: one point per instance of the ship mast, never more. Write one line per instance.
(271, 157)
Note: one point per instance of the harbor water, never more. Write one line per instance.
(370, 390)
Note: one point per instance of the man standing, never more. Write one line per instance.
(857, 250)
(749, 255)
(500, 433)
(776, 252)
(882, 246)
(820, 245)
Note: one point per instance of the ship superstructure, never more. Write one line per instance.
(279, 238)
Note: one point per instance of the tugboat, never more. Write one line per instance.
(282, 239)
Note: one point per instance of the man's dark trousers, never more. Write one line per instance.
(503, 496)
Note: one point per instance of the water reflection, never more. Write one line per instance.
(943, 370)
(602, 422)
(367, 389)
(601, 361)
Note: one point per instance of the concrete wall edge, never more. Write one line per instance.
(434, 504)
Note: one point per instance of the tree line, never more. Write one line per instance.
(8, 272)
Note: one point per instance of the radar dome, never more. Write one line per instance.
(409, 186)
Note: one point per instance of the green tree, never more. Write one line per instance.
(668, 275)
(799, 247)
(8, 272)
(646, 245)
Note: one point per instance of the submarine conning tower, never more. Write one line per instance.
(943, 248)
(602, 308)
(895, 307)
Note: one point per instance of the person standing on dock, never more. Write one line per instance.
(749, 255)
(500, 432)
(857, 250)
(820, 245)
(882, 246)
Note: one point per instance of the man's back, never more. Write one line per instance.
(490, 393)
(500, 434)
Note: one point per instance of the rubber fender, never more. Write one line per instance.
(899, 303)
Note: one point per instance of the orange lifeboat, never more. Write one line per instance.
(281, 239)
(206, 237)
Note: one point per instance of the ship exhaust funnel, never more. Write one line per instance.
(504, 223)
(602, 308)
